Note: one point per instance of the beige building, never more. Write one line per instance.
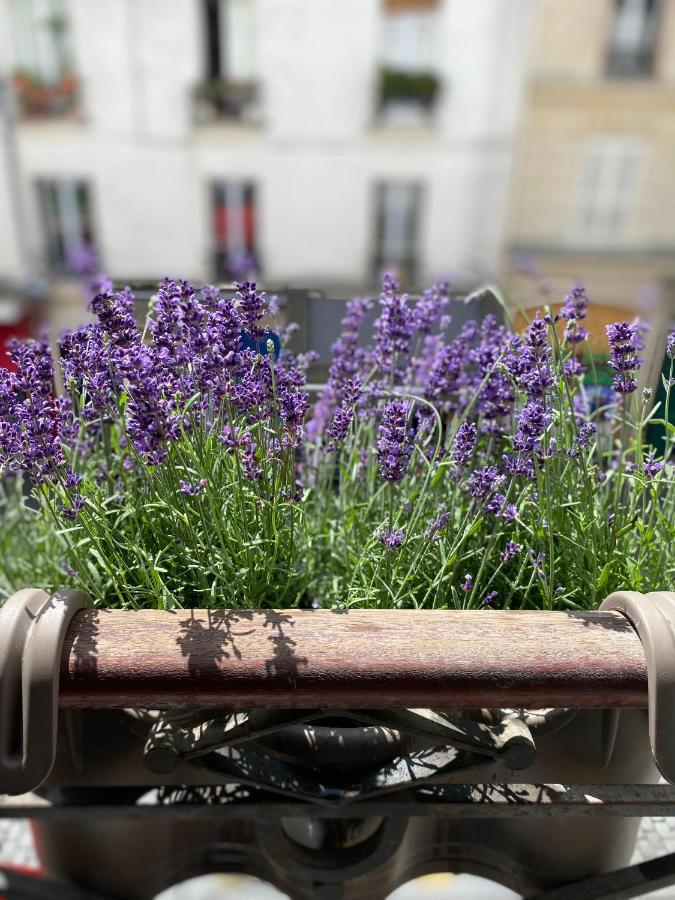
(593, 193)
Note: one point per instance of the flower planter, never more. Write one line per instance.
(372, 854)
(459, 504)
(314, 797)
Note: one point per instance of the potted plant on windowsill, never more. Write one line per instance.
(222, 98)
(39, 99)
(406, 96)
(184, 466)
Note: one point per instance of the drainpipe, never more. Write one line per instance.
(11, 157)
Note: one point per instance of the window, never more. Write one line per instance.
(41, 38)
(230, 87)
(608, 191)
(633, 38)
(397, 224)
(408, 81)
(44, 82)
(66, 215)
(234, 230)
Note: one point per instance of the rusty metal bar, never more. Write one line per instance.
(299, 659)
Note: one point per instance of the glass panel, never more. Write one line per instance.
(238, 39)
(633, 38)
(66, 216)
(234, 223)
(397, 226)
(608, 192)
(41, 39)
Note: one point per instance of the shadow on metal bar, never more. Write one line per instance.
(633, 881)
(239, 801)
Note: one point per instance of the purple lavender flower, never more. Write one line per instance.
(431, 306)
(529, 360)
(34, 367)
(464, 444)
(251, 305)
(489, 598)
(518, 465)
(395, 444)
(586, 432)
(344, 415)
(573, 367)
(652, 466)
(532, 423)
(467, 584)
(510, 512)
(670, 345)
(73, 481)
(347, 358)
(292, 407)
(575, 304)
(623, 344)
(575, 333)
(511, 550)
(574, 309)
(76, 504)
(485, 481)
(192, 489)
(439, 524)
(390, 540)
(394, 327)
(442, 377)
(495, 504)
(36, 425)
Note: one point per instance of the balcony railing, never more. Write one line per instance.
(405, 96)
(637, 63)
(219, 98)
(38, 99)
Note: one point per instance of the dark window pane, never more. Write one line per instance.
(213, 47)
(633, 38)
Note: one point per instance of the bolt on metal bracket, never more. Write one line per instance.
(33, 627)
(653, 617)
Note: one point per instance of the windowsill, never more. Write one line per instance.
(617, 252)
(415, 131)
(654, 83)
(232, 129)
(74, 119)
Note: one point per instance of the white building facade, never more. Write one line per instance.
(311, 141)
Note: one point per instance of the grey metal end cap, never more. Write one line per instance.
(653, 617)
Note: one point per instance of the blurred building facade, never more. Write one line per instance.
(593, 196)
(312, 143)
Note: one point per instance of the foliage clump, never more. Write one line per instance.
(184, 464)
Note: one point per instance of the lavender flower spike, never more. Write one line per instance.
(464, 445)
(670, 345)
(344, 415)
(394, 447)
(623, 344)
(391, 540)
(532, 423)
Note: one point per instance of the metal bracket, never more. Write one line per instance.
(444, 744)
(653, 617)
(33, 626)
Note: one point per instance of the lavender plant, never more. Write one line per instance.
(183, 464)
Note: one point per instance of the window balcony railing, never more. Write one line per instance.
(38, 99)
(219, 98)
(407, 95)
(638, 63)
